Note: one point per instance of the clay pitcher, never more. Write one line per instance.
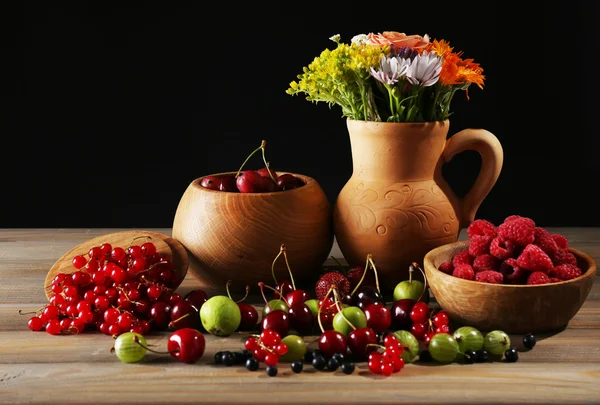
(396, 206)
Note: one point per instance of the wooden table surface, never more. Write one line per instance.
(35, 367)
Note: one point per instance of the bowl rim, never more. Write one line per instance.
(590, 272)
(308, 181)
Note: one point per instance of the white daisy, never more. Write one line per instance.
(425, 69)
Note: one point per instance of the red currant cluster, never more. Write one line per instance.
(389, 360)
(113, 290)
(427, 323)
(266, 347)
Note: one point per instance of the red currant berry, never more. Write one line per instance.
(419, 312)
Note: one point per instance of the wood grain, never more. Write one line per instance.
(36, 368)
(511, 308)
(237, 236)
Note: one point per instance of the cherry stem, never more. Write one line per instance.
(287, 263)
(273, 263)
(262, 285)
(370, 259)
(337, 305)
(320, 306)
(410, 270)
(264, 143)
(227, 289)
(172, 323)
(261, 147)
(245, 295)
(376, 345)
(137, 340)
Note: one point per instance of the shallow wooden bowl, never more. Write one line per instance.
(165, 244)
(236, 236)
(511, 308)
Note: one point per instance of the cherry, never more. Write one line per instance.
(249, 314)
(228, 183)
(184, 315)
(364, 295)
(186, 345)
(288, 181)
(160, 315)
(419, 330)
(362, 341)
(283, 288)
(367, 295)
(278, 321)
(197, 297)
(211, 182)
(332, 342)
(249, 317)
(302, 319)
(267, 185)
(249, 181)
(326, 320)
(400, 313)
(379, 317)
(268, 172)
(296, 296)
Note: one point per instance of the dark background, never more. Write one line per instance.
(113, 108)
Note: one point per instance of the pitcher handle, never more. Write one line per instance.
(492, 157)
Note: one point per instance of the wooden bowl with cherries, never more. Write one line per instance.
(540, 289)
(233, 225)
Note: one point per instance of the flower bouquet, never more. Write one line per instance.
(390, 77)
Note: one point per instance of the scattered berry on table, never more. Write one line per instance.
(297, 366)
(348, 368)
(529, 341)
(271, 371)
(511, 355)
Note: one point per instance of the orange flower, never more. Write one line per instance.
(456, 71)
(398, 39)
(440, 47)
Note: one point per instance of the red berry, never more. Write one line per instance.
(332, 278)
(419, 312)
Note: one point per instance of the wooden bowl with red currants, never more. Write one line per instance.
(233, 223)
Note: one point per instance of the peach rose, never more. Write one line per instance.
(398, 39)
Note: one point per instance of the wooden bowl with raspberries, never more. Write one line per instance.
(517, 277)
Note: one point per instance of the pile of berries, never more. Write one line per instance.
(113, 290)
(515, 252)
(388, 358)
(427, 323)
(265, 348)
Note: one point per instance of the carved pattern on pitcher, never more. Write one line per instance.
(401, 205)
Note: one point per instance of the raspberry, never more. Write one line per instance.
(533, 258)
(489, 276)
(555, 280)
(446, 267)
(481, 227)
(562, 256)
(462, 257)
(560, 240)
(538, 277)
(464, 271)
(479, 245)
(565, 272)
(485, 262)
(513, 274)
(544, 240)
(511, 218)
(502, 248)
(519, 230)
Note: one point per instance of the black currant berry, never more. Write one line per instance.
(252, 364)
(348, 368)
(470, 357)
(319, 362)
(308, 356)
(332, 364)
(339, 357)
(529, 341)
(239, 358)
(511, 355)
(228, 359)
(297, 366)
(218, 357)
(271, 371)
(482, 356)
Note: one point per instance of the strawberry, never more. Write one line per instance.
(332, 278)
